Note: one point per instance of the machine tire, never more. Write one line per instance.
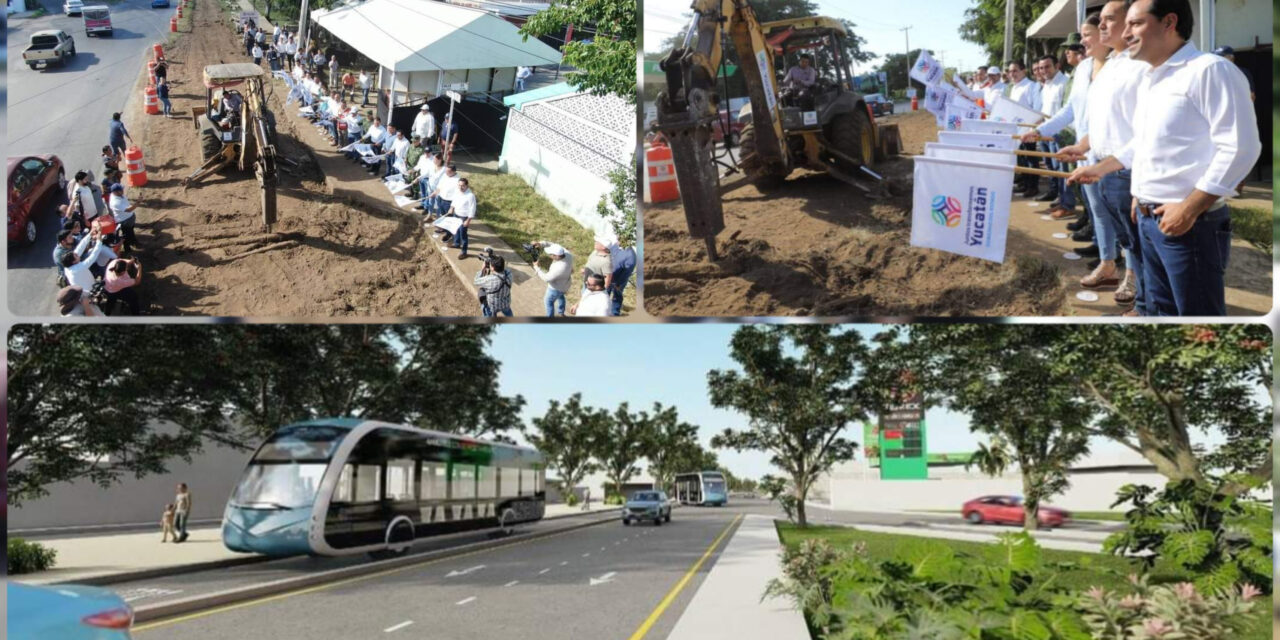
(71, 53)
(847, 134)
(668, 518)
(657, 522)
(30, 232)
(626, 522)
(399, 532)
(210, 143)
(33, 66)
(763, 180)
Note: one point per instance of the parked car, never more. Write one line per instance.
(647, 505)
(97, 20)
(1008, 510)
(51, 46)
(67, 613)
(880, 106)
(156, 4)
(73, 7)
(32, 179)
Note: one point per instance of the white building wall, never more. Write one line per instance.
(1243, 24)
(571, 188)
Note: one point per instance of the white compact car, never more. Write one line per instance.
(73, 7)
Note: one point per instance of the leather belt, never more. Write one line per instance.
(1148, 208)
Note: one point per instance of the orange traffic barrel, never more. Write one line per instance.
(173, 24)
(151, 71)
(152, 100)
(179, 11)
(915, 103)
(158, 50)
(662, 174)
(136, 170)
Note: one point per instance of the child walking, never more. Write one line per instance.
(166, 523)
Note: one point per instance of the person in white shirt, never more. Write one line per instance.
(1025, 92)
(979, 79)
(446, 190)
(365, 83)
(558, 276)
(595, 302)
(398, 151)
(1082, 57)
(994, 87)
(463, 206)
(424, 124)
(256, 52)
(428, 183)
(1195, 139)
(522, 75)
(1053, 86)
(1110, 113)
(123, 212)
(80, 271)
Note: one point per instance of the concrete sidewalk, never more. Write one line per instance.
(727, 606)
(96, 556)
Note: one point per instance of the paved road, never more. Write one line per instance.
(601, 582)
(65, 111)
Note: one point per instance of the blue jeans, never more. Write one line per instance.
(620, 278)
(1183, 275)
(1055, 184)
(442, 206)
(168, 106)
(519, 84)
(365, 99)
(460, 239)
(551, 299)
(488, 312)
(1104, 229)
(1118, 201)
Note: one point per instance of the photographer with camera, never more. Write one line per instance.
(121, 283)
(493, 283)
(559, 276)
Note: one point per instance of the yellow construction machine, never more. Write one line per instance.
(236, 127)
(824, 126)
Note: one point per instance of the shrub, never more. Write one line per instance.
(1221, 538)
(1166, 612)
(29, 557)
(615, 498)
(571, 499)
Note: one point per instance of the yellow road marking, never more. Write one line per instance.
(329, 585)
(675, 591)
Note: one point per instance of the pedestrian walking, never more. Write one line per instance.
(166, 524)
(162, 91)
(182, 510)
(116, 136)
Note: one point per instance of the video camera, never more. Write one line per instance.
(534, 249)
(487, 257)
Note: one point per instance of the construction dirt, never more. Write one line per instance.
(204, 249)
(818, 247)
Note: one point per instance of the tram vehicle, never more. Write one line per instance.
(348, 486)
(701, 488)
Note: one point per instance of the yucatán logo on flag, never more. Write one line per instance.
(926, 69)
(946, 211)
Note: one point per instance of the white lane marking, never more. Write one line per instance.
(465, 600)
(587, 554)
(564, 563)
(466, 571)
(608, 577)
(617, 543)
(398, 627)
(602, 548)
(512, 583)
(543, 571)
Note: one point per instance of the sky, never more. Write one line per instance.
(667, 363)
(934, 25)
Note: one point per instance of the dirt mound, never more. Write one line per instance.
(818, 247)
(205, 250)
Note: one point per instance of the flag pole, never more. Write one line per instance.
(1037, 139)
(1035, 154)
(1042, 172)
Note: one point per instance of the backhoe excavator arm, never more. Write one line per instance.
(690, 103)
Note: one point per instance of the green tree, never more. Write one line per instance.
(799, 388)
(100, 402)
(606, 64)
(668, 438)
(895, 66)
(1152, 386)
(984, 26)
(567, 434)
(622, 443)
(618, 207)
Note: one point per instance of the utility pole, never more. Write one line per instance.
(906, 32)
(1008, 32)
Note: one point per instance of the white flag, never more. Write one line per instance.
(960, 109)
(926, 69)
(961, 207)
(987, 140)
(936, 98)
(1006, 110)
(973, 125)
(969, 154)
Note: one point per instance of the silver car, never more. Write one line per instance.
(647, 505)
(73, 7)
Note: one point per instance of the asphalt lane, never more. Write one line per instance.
(64, 111)
(601, 582)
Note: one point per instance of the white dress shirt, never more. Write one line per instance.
(594, 304)
(433, 176)
(1113, 97)
(424, 125)
(1072, 113)
(1194, 129)
(400, 147)
(377, 133)
(1026, 93)
(989, 93)
(120, 208)
(464, 206)
(448, 186)
(1052, 93)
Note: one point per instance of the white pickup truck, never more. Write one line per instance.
(49, 47)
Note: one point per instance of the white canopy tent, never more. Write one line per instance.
(424, 47)
(1063, 17)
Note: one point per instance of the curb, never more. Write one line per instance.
(71, 531)
(226, 563)
(284, 585)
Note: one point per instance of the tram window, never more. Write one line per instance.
(368, 483)
(528, 482)
(346, 488)
(400, 479)
(488, 484)
(464, 482)
(510, 482)
(434, 482)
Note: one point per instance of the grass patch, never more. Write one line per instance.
(1255, 225)
(1095, 569)
(519, 215)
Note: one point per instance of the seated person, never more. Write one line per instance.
(73, 302)
(121, 283)
(803, 76)
(231, 103)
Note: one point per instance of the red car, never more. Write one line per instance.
(718, 128)
(32, 179)
(1008, 510)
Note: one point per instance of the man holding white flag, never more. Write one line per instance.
(961, 206)
(1026, 93)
